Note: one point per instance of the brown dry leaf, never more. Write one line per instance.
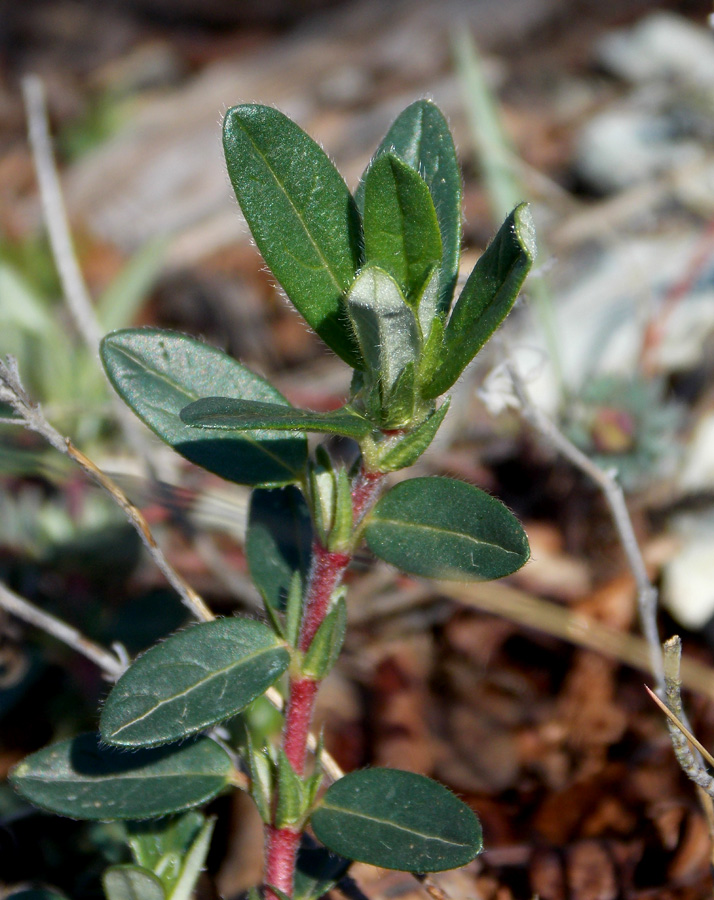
(613, 604)
(591, 872)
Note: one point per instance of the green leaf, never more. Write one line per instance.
(157, 373)
(85, 779)
(193, 863)
(397, 820)
(407, 450)
(487, 297)
(278, 542)
(300, 213)
(322, 653)
(196, 678)
(385, 326)
(401, 232)
(317, 871)
(160, 845)
(290, 807)
(442, 528)
(231, 414)
(131, 883)
(420, 136)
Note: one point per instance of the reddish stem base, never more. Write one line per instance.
(281, 847)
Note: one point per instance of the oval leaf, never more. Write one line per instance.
(278, 542)
(487, 298)
(198, 677)
(157, 373)
(239, 415)
(401, 232)
(420, 137)
(300, 213)
(131, 883)
(397, 820)
(442, 528)
(85, 779)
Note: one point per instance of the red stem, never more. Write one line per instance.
(326, 573)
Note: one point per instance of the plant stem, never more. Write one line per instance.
(326, 574)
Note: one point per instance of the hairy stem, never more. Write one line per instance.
(326, 574)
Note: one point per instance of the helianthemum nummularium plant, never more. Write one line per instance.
(374, 275)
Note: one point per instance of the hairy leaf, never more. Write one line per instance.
(442, 528)
(196, 678)
(157, 373)
(487, 298)
(230, 414)
(401, 232)
(84, 779)
(300, 213)
(420, 136)
(397, 820)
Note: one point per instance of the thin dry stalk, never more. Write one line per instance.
(615, 498)
(110, 663)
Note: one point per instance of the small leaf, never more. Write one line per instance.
(401, 232)
(157, 373)
(196, 678)
(83, 779)
(131, 883)
(420, 136)
(397, 820)
(398, 402)
(156, 844)
(322, 653)
(261, 779)
(278, 542)
(386, 329)
(232, 414)
(409, 448)
(427, 304)
(487, 297)
(290, 808)
(300, 213)
(442, 528)
(193, 863)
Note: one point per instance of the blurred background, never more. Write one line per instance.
(524, 696)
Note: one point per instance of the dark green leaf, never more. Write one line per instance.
(84, 779)
(317, 871)
(301, 214)
(230, 414)
(397, 820)
(407, 450)
(420, 136)
(442, 528)
(487, 297)
(157, 373)
(278, 542)
(401, 232)
(131, 883)
(198, 677)
(386, 328)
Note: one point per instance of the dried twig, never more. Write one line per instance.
(607, 482)
(74, 287)
(110, 663)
